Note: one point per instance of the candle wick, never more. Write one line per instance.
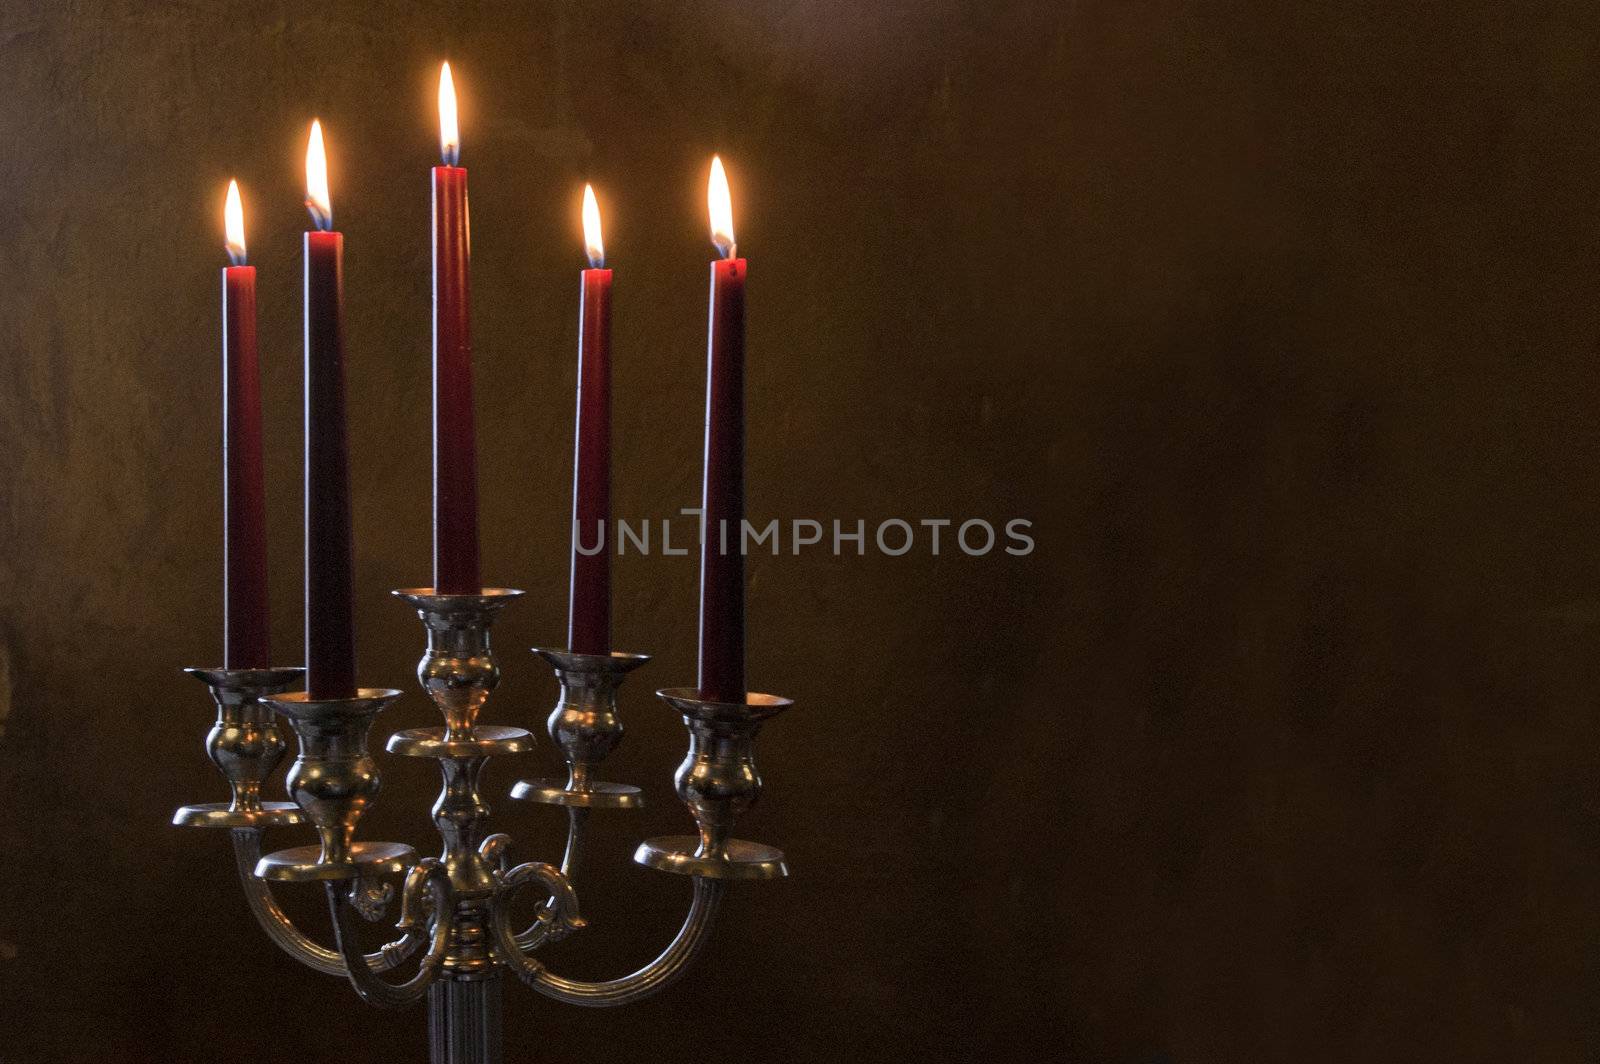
(322, 219)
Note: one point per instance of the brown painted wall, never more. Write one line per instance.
(1276, 319)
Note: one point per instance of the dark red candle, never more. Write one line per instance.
(330, 628)
(245, 627)
(721, 556)
(455, 463)
(589, 607)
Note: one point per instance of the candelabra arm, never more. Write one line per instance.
(545, 929)
(375, 991)
(651, 979)
(493, 850)
(296, 943)
(577, 822)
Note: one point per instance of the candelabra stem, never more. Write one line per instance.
(464, 1021)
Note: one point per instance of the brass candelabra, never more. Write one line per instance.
(454, 913)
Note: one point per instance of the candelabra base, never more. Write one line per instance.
(464, 1021)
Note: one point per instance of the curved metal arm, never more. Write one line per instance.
(296, 943)
(558, 917)
(651, 979)
(493, 849)
(546, 928)
(375, 991)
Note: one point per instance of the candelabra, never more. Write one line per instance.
(454, 915)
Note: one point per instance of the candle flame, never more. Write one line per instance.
(318, 201)
(449, 129)
(233, 224)
(721, 204)
(591, 230)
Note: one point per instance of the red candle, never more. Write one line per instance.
(330, 629)
(245, 643)
(589, 608)
(721, 556)
(455, 464)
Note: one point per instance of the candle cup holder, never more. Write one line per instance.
(246, 745)
(586, 728)
(333, 780)
(718, 781)
(458, 671)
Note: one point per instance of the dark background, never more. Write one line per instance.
(1278, 320)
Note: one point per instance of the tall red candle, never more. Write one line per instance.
(245, 626)
(330, 627)
(721, 554)
(589, 607)
(455, 463)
